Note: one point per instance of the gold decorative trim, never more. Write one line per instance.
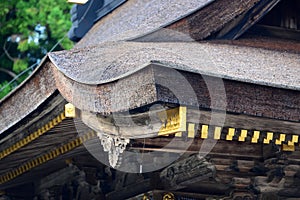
(169, 196)
(204, 132)
(174, 121)
(217, 133)
(45, 157)
(255, 137)
(280, 139)
(288, 147)
(31, 137)
(191, 130)
(70, 110)
(243, 135)
(286, 141)
(269, 138)
(230, 134)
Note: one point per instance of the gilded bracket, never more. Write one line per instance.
(70, 110)
(173, 121)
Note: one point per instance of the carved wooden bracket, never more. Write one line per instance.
(115, 146)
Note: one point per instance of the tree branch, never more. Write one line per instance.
(7, 54)
(8, 72)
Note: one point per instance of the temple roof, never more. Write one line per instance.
(136, 18)
(157, 19)
(111, 61)
(109, 51)
(126, 62)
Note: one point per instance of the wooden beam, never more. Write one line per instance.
(141, 125)
(273, 31)
(242, 23)
(221, 148)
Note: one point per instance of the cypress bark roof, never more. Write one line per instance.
(115, 60)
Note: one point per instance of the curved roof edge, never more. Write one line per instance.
(28, 96)
(193, 20)
(111, 61)
(138, 17)
(121, 60)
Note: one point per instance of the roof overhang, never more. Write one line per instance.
(134, 76)
(131, 75)
(121, 76)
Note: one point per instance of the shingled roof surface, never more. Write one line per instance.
(197, 19)
(138, 17)
(115, 60)
(96, 61)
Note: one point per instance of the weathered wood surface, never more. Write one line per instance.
(54, 138)
(186, 172)
(247, 98)
(235, 28)
(273, 31)
(221, 148)
(131, 190)
(234, 175)
(204, 22)
(45, 169)
(147, 124)
(254, 93)
(27, 97)
(48, 110)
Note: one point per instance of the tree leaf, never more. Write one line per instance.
(20, 65)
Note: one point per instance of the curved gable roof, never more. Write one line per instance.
(111, 61)
(137, 18)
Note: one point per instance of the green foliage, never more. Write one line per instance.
(20, 65)
(4, 89)
(25, 45)
(24, 42)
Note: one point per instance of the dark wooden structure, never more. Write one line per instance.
(162, 100)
